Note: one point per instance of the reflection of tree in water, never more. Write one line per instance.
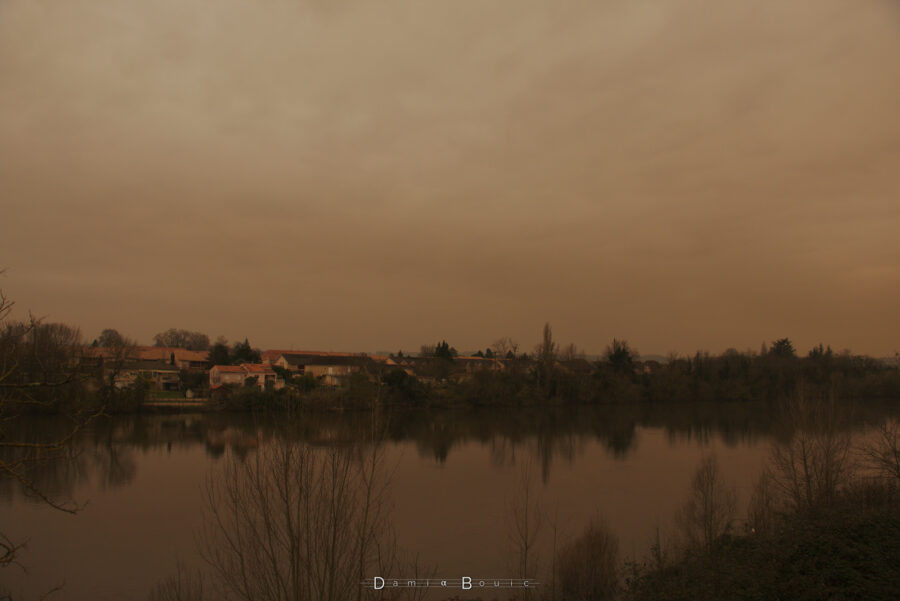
(55, 473)
(620, 437)
(297, 521)
(114, 461)
(104, 452)
(557, 434)
(563, 436)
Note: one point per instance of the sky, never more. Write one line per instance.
(356, 175)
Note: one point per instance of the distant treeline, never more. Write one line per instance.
(620, 377)
(43, 368)
(547, 378)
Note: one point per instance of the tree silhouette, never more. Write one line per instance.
(109, 338)
(620, 356)
(782, 348)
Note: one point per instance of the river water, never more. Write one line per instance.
(453, 479)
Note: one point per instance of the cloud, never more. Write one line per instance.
(659, 171)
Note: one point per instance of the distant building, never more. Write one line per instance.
(178, 357)
(328, 367)
(160, 374)
(233, 375)
(237, 375)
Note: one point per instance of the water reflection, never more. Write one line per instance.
(456, 472)
(103, 454)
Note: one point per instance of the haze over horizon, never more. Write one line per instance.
(377, 176)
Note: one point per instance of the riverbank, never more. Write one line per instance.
(848, 551)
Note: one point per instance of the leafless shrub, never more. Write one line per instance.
(871, 493)
(710, 508)
(810, 470)
(586, 568)
(764, 504)
(883, 455)
(185, 585)
(570, 352)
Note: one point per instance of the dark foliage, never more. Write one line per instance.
(849, 551)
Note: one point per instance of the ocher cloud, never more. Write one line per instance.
(359, 175)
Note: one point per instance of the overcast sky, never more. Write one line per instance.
(358, 175)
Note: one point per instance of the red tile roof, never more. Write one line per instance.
(273, 355)
(257, 368)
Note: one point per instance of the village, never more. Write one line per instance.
(172, 372)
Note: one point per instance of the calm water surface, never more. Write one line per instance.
(140, 481)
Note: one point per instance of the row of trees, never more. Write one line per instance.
(171, 338)
(242, 352)
(220, 352)
(552, 374)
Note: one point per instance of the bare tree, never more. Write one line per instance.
(503, 347)
(547, 349)
(545, 354)
(810, 470)
(109, 337)
(587, 567)
(710, 508)
(180, 338)
(299, 523)
(571, 352)
(883, 454)
(525, 515)
(764, 504)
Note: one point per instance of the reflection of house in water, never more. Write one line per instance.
(332, 437)
(239, 441)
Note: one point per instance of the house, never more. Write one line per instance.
(266, 378)
(296, 361)
(160, 374)
(335, 371)
(470, 365)
(330, 374)
(331, 368)
(233, 375)
(238, 375)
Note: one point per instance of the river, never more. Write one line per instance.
(453, 479)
